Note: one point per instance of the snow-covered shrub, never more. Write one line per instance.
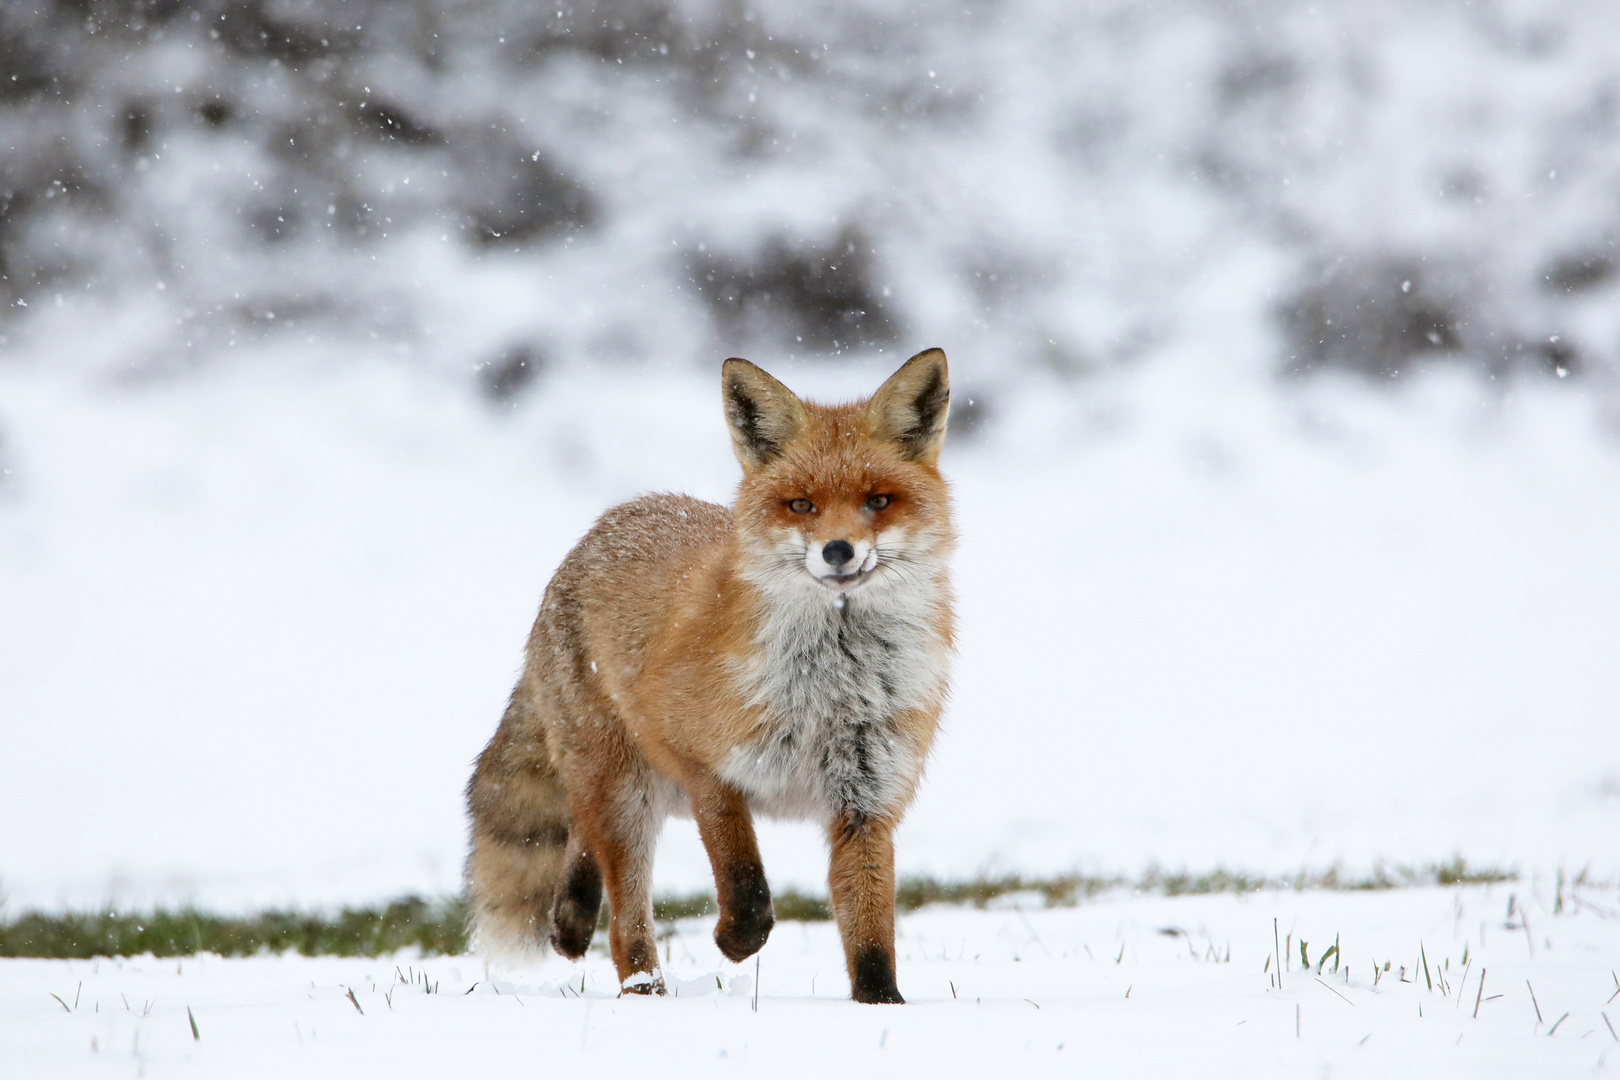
(1039, 184)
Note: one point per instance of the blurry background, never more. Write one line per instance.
(1285, 340)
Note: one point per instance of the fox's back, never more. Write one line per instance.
(612, 595)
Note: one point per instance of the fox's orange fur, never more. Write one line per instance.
(788, 656)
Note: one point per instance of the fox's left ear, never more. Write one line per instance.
(910, 408)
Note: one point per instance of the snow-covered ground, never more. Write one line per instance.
(1120, 986)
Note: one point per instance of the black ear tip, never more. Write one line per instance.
(929, 358)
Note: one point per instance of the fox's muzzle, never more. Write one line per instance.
(838, 563)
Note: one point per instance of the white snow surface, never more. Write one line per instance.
(1483, 982)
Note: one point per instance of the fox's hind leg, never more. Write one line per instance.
(579, 898)
(619, 828)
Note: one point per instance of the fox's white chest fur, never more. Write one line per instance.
(829, 680)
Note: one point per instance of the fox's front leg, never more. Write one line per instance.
(727, 828)
(862, 885)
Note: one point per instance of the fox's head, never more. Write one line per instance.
(842, 498)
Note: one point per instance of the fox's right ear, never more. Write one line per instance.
(763, 415)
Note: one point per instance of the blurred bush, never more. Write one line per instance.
(1043, 184)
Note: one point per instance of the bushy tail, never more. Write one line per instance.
(519, 814)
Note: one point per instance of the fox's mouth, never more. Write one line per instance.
(841, 583)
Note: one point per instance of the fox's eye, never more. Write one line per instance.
(878, 502)
(801, 506)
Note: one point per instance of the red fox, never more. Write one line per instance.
(787, 656)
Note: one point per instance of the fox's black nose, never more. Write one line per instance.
(837, 553)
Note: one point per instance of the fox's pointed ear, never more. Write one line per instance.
(763, 415)
(909, 409)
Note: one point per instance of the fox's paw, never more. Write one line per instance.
(747, 922)
(644, 982)
(571, 940)
(573, 915)
(573, 924)
(874, 979)
(744, 936)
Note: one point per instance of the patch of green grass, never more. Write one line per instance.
(670, 907)
(1064, 889)
(1457, 872)
(790, 904)
(440, 927)
(433, 927)
(1333, 879)
(796, 906)
(1185, 884)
